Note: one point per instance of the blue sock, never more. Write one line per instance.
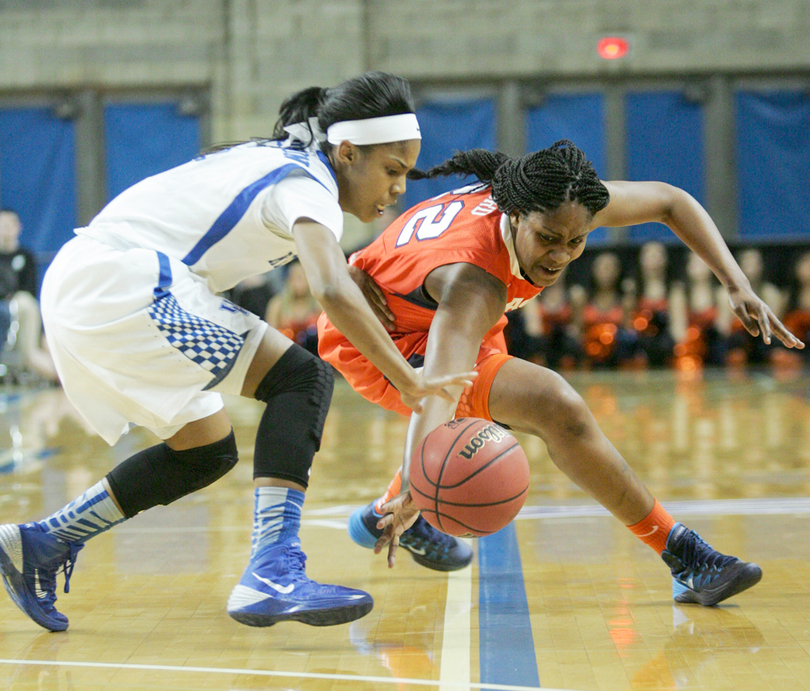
(91, 514)
(276, 516)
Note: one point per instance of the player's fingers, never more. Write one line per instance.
(392, 552)
(385, 538)
(379, 299)
(412, 402)
(446, 395)
(415, 405)
(385, 315)
(748, 322)
(464, 379)
(764, 322)
(785, 336)
(374, 288)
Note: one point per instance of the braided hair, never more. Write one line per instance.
(539, 181)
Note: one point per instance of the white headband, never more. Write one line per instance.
(390, 128)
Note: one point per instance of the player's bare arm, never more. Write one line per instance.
(632, 203)
(331, 285)
(471, 302)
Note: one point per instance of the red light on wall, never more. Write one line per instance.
(612, 47)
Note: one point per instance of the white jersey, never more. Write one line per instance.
(136, 328)
(226, 215)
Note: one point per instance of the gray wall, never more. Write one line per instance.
(251, 53)
(245, 56)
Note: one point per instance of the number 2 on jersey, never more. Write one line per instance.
(429, 223)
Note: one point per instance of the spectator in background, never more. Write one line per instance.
(700, 317)
(294, 311)
(18, 290)
(545, 331)
(651, 319)
(255, 293)
(607, 340)
(744, 348)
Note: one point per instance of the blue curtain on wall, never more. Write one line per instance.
(146, 138)
(449, 126)
(579, 118)
(38, 177)
(664, 142)
(773, 160)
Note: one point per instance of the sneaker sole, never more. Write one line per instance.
(329, 617)
(11, 552)
(436, 565)
(748, 576)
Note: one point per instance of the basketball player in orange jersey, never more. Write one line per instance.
(442, 276)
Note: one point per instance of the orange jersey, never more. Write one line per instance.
(460, 226)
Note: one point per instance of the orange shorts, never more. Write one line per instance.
(369, 382)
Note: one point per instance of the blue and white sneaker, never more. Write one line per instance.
(702, 575)
(275, 588)
(429, 547)
(30, 559)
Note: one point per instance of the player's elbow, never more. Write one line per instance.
(332, 295)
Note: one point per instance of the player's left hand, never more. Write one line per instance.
(758, 318)
(374, 296)
(399, 514)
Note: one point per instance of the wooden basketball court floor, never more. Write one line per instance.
(564, 598)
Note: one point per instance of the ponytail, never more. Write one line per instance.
(299, 107)
(370, 95)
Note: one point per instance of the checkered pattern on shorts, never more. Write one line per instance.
(210, 345)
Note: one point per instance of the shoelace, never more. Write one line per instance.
(698, 556)
(295, 563)
(70, 562)
(45, 581)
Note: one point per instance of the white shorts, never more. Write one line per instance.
(138, 339)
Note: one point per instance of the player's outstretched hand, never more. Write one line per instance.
(421, 386)
(399, 514)
(758, 318)
(374, 296)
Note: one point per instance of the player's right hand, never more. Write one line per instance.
(374, 297)
(399, 514)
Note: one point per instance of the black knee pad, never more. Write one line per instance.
(160, 475)
(298, 391)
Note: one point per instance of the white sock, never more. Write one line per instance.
(91, 514)
(276, 516)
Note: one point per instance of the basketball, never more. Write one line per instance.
(469, 477)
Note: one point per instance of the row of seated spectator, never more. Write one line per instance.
(660, 306)
(283, 299)
(653, 306)
(21, 343)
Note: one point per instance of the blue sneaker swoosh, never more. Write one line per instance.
(283, 589)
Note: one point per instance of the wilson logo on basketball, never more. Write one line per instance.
(488, 433)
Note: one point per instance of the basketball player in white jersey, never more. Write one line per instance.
(140, 336)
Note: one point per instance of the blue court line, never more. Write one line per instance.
(506, 645)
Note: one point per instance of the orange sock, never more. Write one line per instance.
(654, 529)
(390, 493)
